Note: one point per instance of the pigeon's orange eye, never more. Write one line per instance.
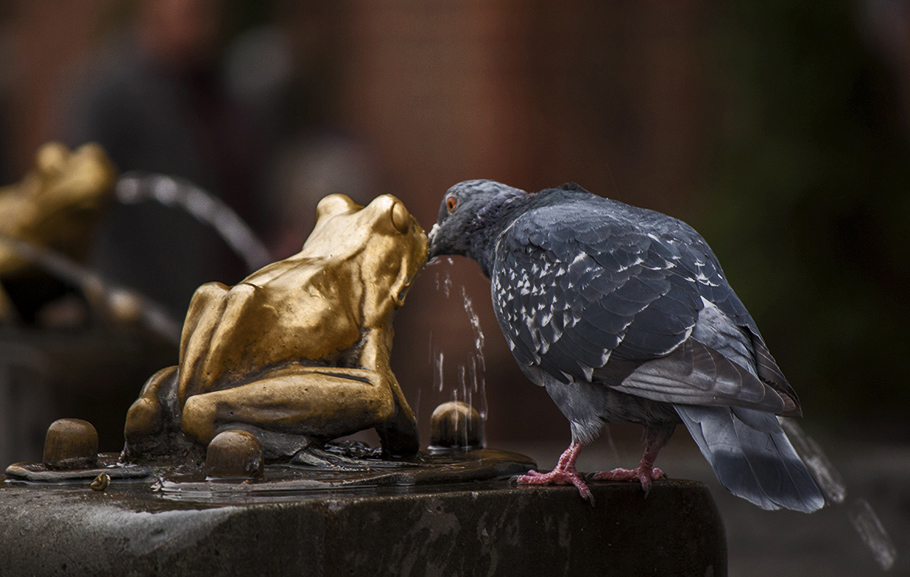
(451, 203)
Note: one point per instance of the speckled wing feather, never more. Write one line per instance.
(595, 290)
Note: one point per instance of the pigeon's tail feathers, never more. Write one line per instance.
(752, 457)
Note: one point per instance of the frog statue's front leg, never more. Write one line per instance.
(311, 402)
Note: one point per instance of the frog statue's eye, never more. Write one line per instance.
(451, 204)
(400, 218)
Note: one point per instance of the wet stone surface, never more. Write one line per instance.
(475, 528)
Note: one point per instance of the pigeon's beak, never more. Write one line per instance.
(431, 237)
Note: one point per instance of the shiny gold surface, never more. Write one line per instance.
(70, 443)
(234, 454)
(300, 347)
(456, 425)
(56, 206)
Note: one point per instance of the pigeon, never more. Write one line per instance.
(624, 315)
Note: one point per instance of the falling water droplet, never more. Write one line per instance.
(465, 397)
(873, 534)
(830, 481)
(438, 376)
(823, 471)
(444, 281)
(475, 324)
(477, 359)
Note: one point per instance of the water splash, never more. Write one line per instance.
(136, 187)
(465, 396)
(477, 360)
(475, 325)
(831, 483)
(438, 375)
(119, 301)
(873, 534)
(471, 373)
(444, 281)
(828, 478)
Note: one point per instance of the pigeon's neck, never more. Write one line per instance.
(490, 222)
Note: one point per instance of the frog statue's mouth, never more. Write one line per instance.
(413, 268)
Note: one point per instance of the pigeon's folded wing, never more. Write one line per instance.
(585, 295)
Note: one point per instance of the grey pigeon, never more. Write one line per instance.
(624, 315)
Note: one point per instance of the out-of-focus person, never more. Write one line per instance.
(287, 74)
(152, 95)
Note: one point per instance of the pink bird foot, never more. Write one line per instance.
(642, 473)
(564, 474)
(646, 472)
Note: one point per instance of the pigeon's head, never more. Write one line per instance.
(466, 214)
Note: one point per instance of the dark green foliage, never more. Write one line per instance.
(810, 200)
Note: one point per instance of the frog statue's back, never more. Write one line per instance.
(299, 350)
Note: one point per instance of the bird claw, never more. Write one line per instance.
(644, 475)
(567, 476)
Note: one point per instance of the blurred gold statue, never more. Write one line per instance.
(299, 350)
(56, 206)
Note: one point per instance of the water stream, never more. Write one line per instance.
(471, 374)
(476, 359)
(97, 290)
(136, 187)
(831, 482)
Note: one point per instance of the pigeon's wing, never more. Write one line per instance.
(585, 294)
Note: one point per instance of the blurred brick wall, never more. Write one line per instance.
(534, 93)
(44, 38)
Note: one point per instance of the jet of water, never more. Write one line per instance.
(122, 302)
(873, 534)
(478, 363)
(828, 478)
(438, 375)
(136, 187)
(830, 481)
(471, 373)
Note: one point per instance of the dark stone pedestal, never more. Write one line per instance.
(490, 528)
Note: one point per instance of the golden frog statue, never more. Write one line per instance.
(56, 206)
(299, 350)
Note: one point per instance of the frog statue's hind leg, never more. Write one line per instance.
(311, 403)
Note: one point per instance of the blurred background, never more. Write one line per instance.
(778, 129)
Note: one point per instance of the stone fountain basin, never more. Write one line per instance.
(473, 528)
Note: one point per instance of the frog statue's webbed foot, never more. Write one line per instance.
(399, 436)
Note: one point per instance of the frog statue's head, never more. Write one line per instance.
(56, 206)
(383, 242)
(58, 203)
